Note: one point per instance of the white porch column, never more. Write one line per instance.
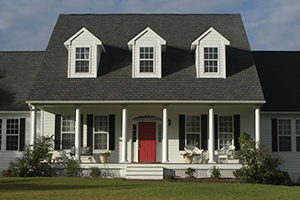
(257, 126)
(77, 135)
(33, 124)
(165, 136)
(211, 140)
(124, 135)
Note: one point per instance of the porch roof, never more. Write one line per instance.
(179, 82)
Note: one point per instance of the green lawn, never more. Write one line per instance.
(88, 188)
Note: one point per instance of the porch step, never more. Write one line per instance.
(144, 172)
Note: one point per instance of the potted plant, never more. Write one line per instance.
(104, 156)
(188, 157)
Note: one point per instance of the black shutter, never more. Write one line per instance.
(81, 130)
(90, 131)
(204, 132)
(57, 132)
(181, 132)
(274, 135)
(22, 135)
(216, 131)
(237, 131)
(112, 132)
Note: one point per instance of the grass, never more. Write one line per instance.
(89, 188)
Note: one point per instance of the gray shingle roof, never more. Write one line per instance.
(17, 74)
(179, 80)
(279, 73)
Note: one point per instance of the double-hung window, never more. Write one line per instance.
(68, 132)
(211, 57)
(82, 59)
(193, 131)
(146, 59)
(284, 135)
(101, 133)
(225, 131)
(12, 134)
(298, 135)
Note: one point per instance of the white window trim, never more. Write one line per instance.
(291, 135)
(199, 133)
(101, 132)
(80, 59)
(297, 119)
(203, 59)
(146, 59)
(64, 132)
(6, 135)
(219, 132)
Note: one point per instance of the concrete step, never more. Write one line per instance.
(144, 172)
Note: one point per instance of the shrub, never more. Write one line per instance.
(95, 172)
(190, 172)
(31, 163)
(215, 172)
(6, 173)
(258, 164)
(169, 177)
(72, 168)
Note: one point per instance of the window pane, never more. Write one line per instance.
(193, 140)
(225, 139)
(12, 143)
(12, 126)
(285, 143)
(193, 124)
(284, 127)
(68, 124)
(146, 66)
(100, 141)
(211, 59)
(134, 132)
(101, 124)
(82, 66)
(297, 127)
(68, 140)
(159, 133)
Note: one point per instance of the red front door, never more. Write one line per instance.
(147, 141)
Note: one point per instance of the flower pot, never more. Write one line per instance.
(103, 158)
(188, 160)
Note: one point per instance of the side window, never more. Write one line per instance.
(225, 131)
(284, 135)
(159, 133)
(101, 133)
(134, 133)
(68, 132)
(12, 134)
(193, 131)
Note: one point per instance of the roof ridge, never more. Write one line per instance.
(89, 14)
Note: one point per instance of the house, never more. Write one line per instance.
(146, 86)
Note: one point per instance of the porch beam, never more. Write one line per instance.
(33, 125)
(257, 127)
(211, 141)
(124, 135)
(165, 136)
(77, 135)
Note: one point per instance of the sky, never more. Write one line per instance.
(270, 24)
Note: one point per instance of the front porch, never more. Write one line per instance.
(150, 133)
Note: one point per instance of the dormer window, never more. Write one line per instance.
(84, 54)
(211, 58)
(146, 59)
(210, 54)
(82, 59)
(147, 48)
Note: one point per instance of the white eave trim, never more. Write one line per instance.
(148, 102)
(211, 29)
(280, 112)
(162, 42)
(83, 29)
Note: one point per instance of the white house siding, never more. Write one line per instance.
(291, 159)
(7, 156)
(246, 114)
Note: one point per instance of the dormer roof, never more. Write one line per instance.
(147, 30)
(209, 31)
